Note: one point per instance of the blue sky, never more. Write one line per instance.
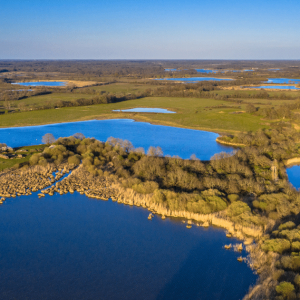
(111, 29)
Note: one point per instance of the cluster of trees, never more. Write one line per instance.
(278, 112)
(241, 181)
(143, 68)
(193, 185)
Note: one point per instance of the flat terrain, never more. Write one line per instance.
(191, 112)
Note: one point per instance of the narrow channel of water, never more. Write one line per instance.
(195, 79)
(72, 247)
(42, 83)
(147, 110)
(277, 87)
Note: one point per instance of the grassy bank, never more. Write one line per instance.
(191, 112)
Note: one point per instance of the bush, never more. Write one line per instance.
(296, 246)
(74, 160)
(237, 208)
(297, 280)
(287, 225)
(292, 235)
(233, 197)
(34, 159)
(276, 245)
(250, 108)
(286, 289)
(147, 187)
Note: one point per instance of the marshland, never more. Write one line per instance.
(237, 179)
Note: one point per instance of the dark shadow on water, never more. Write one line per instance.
(200, 278)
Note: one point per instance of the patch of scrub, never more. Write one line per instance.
(146, 110)
(41, 83)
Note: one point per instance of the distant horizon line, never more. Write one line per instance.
(147, 59)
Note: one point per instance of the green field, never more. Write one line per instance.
(191, 112)
(124, 88)
(41, 100)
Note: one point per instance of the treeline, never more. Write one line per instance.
(277, 112)
(192, 185)
(143, 68)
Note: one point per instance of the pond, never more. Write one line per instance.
(206, 71)
(170, 70)
(282, 80)
(42, 83)
(277, 87)
(72, 247)
(294, 176)
(195, 79)
(146, 110)
(172, 140)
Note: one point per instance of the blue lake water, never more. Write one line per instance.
(42, 83)
(294, 176)
(195, 79)
(72, 247)
(282, 80)
(147, 110)
(206, 71)
(170, 70)
(172, 140)
(279, 87)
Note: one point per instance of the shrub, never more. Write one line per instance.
(128, 183)
(34, 159)
(276, 245)
(297, 280)
(238, 208)
(287, 225)
(74, 160)
(147, 187)
(296, 246)
(286, 289)
(233, 197)
(292, 235)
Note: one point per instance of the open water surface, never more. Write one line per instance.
(72, 247)
(279, 87)
(195, 79)
(147, 110)
(294, 176)
(42, 83)
(173, 140)
(283, 80)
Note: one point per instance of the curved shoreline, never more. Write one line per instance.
(218, 139)
(132, 117)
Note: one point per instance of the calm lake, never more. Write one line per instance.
(42, 83)
(172, 140)
(71, 247)
(195, 79)
(294, 176)
(146, 110)
(279, 87)
(283, 80)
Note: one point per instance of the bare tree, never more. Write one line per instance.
(152, 151)
(48, 138)
(79, 135)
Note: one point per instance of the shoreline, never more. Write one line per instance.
(134, 118)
